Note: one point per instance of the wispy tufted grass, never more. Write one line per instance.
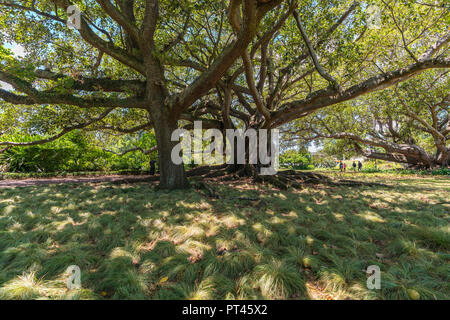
(133, 242)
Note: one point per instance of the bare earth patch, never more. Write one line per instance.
(12, 183)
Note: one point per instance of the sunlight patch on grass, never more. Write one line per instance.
(132, 242)
(372, 217)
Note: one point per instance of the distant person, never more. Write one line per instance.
(354, 166)
(359, 165)
(341, 166)
(345, 167)
(152, 167)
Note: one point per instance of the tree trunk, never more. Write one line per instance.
(248, 169)
(412, 160)
(172, 176)
(443, 158)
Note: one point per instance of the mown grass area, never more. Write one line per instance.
(407, 177)
(28, 175)
(133, 242)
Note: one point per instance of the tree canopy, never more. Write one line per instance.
(408, 123)
(157, 65)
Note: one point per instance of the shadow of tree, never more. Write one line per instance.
(132, 242)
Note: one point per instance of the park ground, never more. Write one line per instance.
(132, 241)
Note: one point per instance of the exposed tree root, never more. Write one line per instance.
(210, 192)
(353, 183)
(277, 181)
(136, 180)
(247, 199)
(204, 170)
(216, 174)
(282, 180)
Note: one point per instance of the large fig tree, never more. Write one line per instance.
(123, 56)
(239, 63)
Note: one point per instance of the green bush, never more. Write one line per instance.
(74, 152)
(324, 163)
(70, 153)
(296, 160)
(34, 158)
(371, 170)
(24, 175)
(441, 172)
(435, 172)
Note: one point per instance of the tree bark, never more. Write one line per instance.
(172, 176)
(249, 148)
(443, 157)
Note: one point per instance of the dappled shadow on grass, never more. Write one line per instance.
(132, 242)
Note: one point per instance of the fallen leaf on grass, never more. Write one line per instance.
(163, 280)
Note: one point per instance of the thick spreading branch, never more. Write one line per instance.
(109, 48)
(148, 151)
(63, 132)
(400, 152)
(94, 84)
(134, 129)
(33, 96)
(251, 84)
(313, 54)
(148, 27)
(253, 11)
(328, 97)
(122, 20)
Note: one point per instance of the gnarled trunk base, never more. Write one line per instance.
(172, 176)
(282, 180)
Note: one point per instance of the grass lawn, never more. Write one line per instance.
(133, 242)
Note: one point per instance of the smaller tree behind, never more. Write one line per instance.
(407, 124)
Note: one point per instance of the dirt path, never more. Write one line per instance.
(11, 183)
